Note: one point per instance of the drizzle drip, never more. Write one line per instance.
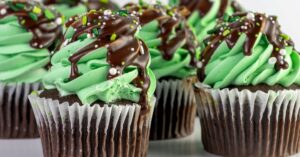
(91, 4)
(203, 6)
(169, 20)
(116, 32)
(45, 24)
(251, 24)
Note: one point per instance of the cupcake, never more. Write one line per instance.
(248, 98)
(27, 30)
(205, 13)
(174, 49)
(98, 98)
(71, 8)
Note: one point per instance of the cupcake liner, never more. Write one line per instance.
(175, 109)
(245, 123)
(16, 116)
(78, 131)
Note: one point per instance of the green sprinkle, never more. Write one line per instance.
(23, 22)
(276, 49)
(12, 6)
(95, 32)
(84, 20)
(285, 36)
(257, 24)
(113, 37)
(104, 1)
(36, 10)
(171, 13)
(49, 14)
(20, 5)
(35, 93)
(226, 32)
(33, 16)
(123, 12)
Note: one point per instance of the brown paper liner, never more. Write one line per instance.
(79, 131)
(175, 109)
(244, 123)
(16, 116)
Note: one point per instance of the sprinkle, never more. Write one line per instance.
(65, 43)
(35, 44)
(41, 46)
(212, 45)
(251, 16)
(282, 52)
(226, 32)
(199, 65)
(99, 17)
(113, 71)
(113, 37)
(107, 45)
(277, 49)
(257, 24)
(84, 20)
(49, 14)
(142, 51)
(272, 60)
(107, 12)
(96, 46)
(285, 37)
(36, 10)
(3, 11)
(89, 36)
(123, 63)
(132, 49)
(261, 18)
(58, 21)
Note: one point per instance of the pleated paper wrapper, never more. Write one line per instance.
(79, 131)
(16, 116)
(245, 123)
(175, 109)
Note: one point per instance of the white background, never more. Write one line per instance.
(288, 12)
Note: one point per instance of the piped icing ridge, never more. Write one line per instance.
(45, 24)
(171, 29)
(112, 33)
(247, 34)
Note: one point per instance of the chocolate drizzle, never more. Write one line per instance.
(169, 20)
(45, 24)
(116, 32)
(250, 24)
(91, 4)
(204, 6)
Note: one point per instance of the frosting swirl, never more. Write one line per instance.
(71, 8)
(28, 29)
(173, 45)
(102, 60)
(249, 49)
(205, 13)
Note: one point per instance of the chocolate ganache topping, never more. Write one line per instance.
(170, 19)
(44, 23)
(250, 24)
(115, 31)
(203, 6)
(91, 4)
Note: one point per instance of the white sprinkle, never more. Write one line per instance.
(251, 16)
(58, 21)
(132, 49)
(272, 60)
(100, 17)
(96, 46)
(88, 24)
(212, 45)
(40, 46)
(107, 46)
(261, 18)
(113, 71)
(75, 29)
(282, 52)
(107, 12)
(65, 43)
(70, 19)
(142, 50)
(199, 65)
(3, 11)
(89, 36)
(35, 44)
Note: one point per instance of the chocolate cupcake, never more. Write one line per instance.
(174, 50)
(27, 30)
(71, 8)
(206, 13)
(248, 98)
(99, 92)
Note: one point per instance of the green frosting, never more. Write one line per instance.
(19, 62)
(93, 84)
(231, 66)
(68, 11)
(179, 66)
